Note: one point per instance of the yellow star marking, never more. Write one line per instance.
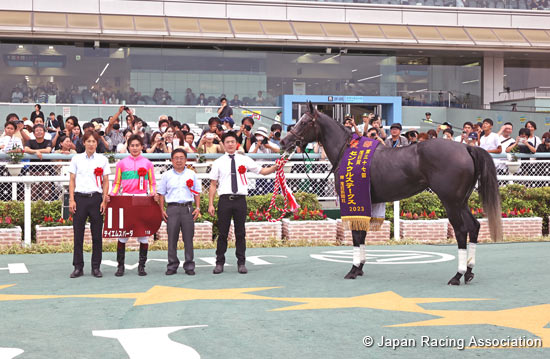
(157, 295)
(532, 319)
(383, 300)
(161, 294)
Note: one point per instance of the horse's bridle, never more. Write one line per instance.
(312, 123)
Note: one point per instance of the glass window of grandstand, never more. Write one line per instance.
(113, 74)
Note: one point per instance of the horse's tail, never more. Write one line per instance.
(488, 189)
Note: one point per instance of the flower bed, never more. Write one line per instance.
(10, 236)
(518, 227)
(424, 229)
(203, 232)
(345, 238)
(313, 231)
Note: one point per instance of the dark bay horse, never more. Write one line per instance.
(449, 168)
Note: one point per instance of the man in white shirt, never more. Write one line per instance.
(228, 178)
(88, 190)
(489, 141)
(467, 127)
(180, 188)
(505, 136)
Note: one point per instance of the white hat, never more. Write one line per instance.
(28, 123)
(210, 135)
(262, 131)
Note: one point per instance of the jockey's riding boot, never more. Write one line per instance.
(120, 254)
(143, 247)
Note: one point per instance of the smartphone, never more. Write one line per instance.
(443, 127)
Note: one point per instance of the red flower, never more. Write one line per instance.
(0, 219)
(142, 172)
(296, 217)
(242, 170)
(98, 171)
(189, 183)
(324, 216)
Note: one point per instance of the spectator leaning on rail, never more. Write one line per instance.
(522, 144)
(532, 127)
(8, 141)
(39, 145)
(396, 140)
(505, 136)
(545, 145)
(489, 141)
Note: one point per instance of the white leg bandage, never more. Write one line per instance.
(123, 240)
(462, 254)
(356, 256)
(471, 254)
(362, 254)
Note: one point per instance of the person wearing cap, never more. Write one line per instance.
(472, 139)
(428, 117)
(396, 140)
(262, 143)
(278, 116)
(228, 123)
(228, 179)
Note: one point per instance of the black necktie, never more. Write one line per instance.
(234, 187)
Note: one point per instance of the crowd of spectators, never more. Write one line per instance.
(479, 134)
(491, 4)
(50, 93)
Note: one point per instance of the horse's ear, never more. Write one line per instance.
(310, 107)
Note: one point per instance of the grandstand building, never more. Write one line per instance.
(461, 60)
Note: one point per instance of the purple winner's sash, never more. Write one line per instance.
(354, 182)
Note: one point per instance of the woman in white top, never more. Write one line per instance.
(8, 142)
(535, 140)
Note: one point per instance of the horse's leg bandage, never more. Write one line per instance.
(462, 255)
(362, 254)
(356, 256)
(472, 255)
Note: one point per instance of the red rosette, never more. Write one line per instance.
(242, 171)
(141, 173)
(190, 184)
(98, 173)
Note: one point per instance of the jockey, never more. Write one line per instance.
(134, 176)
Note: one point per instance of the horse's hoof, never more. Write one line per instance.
(468, 276)
(455, 280)
(352, 273)
(359, 270)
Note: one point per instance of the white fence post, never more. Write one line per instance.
(14, 191)
(27, 217)
(396, 220)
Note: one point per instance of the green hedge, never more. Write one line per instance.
(512, 196)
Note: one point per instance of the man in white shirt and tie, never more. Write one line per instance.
(88, 190)
(180, 188)
(228, 178)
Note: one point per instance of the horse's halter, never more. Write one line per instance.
(313, 121)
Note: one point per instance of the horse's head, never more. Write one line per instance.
(305, 131)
